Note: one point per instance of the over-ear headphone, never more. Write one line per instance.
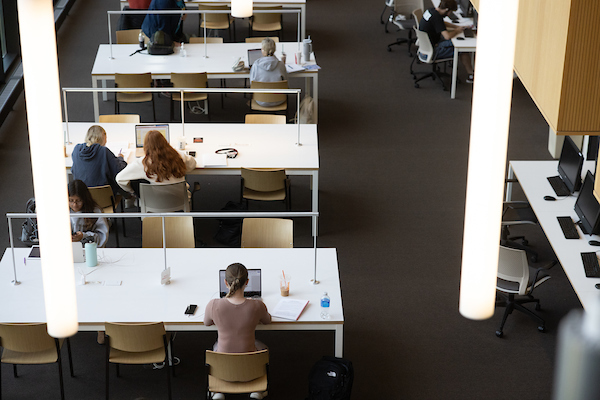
(229, 151)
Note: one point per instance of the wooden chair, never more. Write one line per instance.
(192, 80)
(130, 36)
(217, 21)
(136, 343)
(269, 97)
(208, 40)
(265, 185)
(31, 344)
(265, 119)
(134, 81)
(260, 39)
(120, 118)
(237, 373)
(107, 201)
(164, 198)
(267, 233)
(266, 22)
(179, 232)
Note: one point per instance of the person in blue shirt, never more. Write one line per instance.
(171, 24)
(440, 37)
(95, 164)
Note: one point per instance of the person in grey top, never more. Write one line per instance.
(268, 68)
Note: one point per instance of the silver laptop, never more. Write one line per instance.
(78, 254)
(140, 134)
(254, 285)
(253, 55)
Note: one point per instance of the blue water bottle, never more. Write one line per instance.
(325, 302)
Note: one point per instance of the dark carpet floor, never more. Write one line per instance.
(392, 195)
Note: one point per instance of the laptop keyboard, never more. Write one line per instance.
(568, 227)
(469, 33)
(590, 265)
(559, 186)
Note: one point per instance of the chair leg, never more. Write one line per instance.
(117, 233)
(171, 107)
(15, 374)
(383, 12)
(153, 108)
(107, 341)
(60, 374)
(70, 357)
(118, 371)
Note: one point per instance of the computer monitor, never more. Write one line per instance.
(466, 8)
(587, 207)
(570, 164)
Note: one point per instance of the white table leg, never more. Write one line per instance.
(316, 96)
(454, 74)
(104, 94)
(95, 97)
(339, 340)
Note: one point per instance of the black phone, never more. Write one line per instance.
(191, 309)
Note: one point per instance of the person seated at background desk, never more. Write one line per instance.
(95, 164)
(133, 21)
(268, 69)
(171, 24)
(236, 318)
(162, 164)
(433, 24)
(86, 230)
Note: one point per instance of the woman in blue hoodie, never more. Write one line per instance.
(268, 69)
(95, 164)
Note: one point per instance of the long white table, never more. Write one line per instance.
(194, 280)
(259, 146)
(293, 4)
(218, 65)
(465, 45)
(532, 178)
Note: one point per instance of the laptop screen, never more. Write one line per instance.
(253, 55)
(254, 285)
(141, 130)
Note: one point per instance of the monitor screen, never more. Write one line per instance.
(587, 207)
(254, 283)
(570, 164)
(141, 130)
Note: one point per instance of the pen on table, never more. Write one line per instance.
(24, 260)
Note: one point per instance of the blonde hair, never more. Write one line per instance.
(95, 134)
(236, 276)
(268, 46)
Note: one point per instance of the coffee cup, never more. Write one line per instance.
(284, 285)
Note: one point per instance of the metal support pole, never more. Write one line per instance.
(12, 249)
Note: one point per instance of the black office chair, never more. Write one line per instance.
(403, 19)
(516, 213)
(517, 278)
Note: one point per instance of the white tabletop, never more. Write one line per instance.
(259, 146)
(194, 280)
(532, 178)
(220, 59)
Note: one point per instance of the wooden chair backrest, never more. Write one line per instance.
(26, 338)
(267, 18)
(135, 337)
(260, 39)
(264, 180)
(143, 80)
(190, 80)
(267, 233)
(179, 232)
(164, 198)
(214, 18)
(265, 119)
(104, 197)
(269, 97)
(120, 118)
(208, 40)
(130, 36)
(237, 367)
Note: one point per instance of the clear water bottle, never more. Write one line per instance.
(325, 302)
(182, 51)
(141, 39)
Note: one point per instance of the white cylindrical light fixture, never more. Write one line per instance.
(44, 116)
(490, 120)
(241, 8)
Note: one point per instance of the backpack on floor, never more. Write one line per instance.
(29, 230)
(330, 379)
(230, 229)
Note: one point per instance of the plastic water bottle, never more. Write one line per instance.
(182, 51)
(141, 40)
(325, 302)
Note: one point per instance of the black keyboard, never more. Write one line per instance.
(590, 265)
(568, 227)
(559, 186)
(469, 33)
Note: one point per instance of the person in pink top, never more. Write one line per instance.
(236, 318)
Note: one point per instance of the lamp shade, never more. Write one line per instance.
(44, 118)
(490, 119)
(241, 8)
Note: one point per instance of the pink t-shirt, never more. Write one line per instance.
(236, 323)
(139, 4)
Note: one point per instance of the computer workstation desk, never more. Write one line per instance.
(532, 177)
(218, 64)
(259, 146)
(125, 287)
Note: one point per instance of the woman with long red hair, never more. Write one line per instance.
(162, 164)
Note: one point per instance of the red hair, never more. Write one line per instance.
(161, 160)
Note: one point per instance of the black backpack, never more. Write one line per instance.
(29, 231)
(160, 44)
(330, 379)
(230, 229)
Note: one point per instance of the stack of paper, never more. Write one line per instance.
(289, 309)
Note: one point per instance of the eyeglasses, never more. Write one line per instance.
(73, 201)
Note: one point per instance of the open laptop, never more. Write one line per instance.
(252, 290)
(78, 254)
(140, 133)
(253, 55)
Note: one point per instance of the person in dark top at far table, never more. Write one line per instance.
(433, 24)
(171, 24)
(133, 21)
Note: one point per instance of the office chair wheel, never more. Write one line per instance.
(389, 49)
(499, 333)
(417, 85)
(542, 328)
